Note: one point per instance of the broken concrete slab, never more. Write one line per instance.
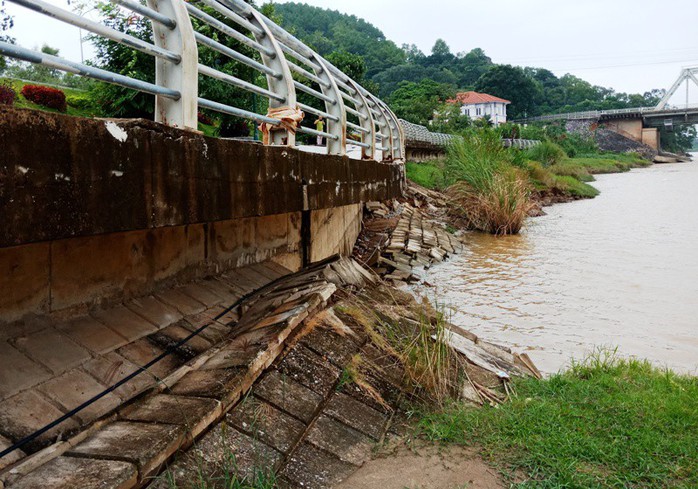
(75, 387)
(309, 369)
(17, 371)
(223, 450)
(344, 442)
(312, 468)
(27, 412)
(53, 349)
(264, 422)
(356, 414)
(193, 413)
(125, 322)
(92, 334)
(214, 383)
(146, 444)
(83, 473)
(288, 395)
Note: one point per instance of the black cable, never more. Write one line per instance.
(171, 349)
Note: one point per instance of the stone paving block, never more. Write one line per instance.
(202, 294)
(236, 354)
(174, 333)
(180, 301)
(75, 387)
(264, 422)
(11, 457)
(29, 324)
(146, 444)
(339, 439)
(309, 369)
(214, 332)
(250, 276)
(390, 394)
(236, 284)
(191, 412)
(288, 395)
(23, 414)
(356, 414)
(52, 349)
(92, 334)
(143, 351)
(209, 383)
(280, 270)
(222, 450)
(312, 468)
(17, 372)
(158, 313)
(82, 473)
(336, 348)
(264, 271)
(125, 322)
(111, 368)
(227, 293)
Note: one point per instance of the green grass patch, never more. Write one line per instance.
(429, 174)
(80, 102)
(575, 187)
(604, 423)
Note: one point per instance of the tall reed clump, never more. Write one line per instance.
(491, 193)
(547, 153)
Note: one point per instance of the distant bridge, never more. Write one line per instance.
(639, 123)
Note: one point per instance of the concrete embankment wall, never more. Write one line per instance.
(95, 211)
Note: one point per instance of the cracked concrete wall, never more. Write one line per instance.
(96, 211)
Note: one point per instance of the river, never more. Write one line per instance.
(620, 270)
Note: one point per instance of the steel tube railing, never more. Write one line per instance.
(239, 29)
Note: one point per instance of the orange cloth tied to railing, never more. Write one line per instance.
(289, 119)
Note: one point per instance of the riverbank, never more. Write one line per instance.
(606, 422)
(577, 427)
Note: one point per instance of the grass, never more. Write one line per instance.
(429, 174)
(80, 103)
(604, 423)
(490, 193)
(547, 153)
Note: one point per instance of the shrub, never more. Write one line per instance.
(547, 153)
(205, 118)
(7, 94)
(80, 102)
(45, 96)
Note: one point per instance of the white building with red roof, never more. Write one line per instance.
(478, 105)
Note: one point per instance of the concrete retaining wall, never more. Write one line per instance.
(98, 211)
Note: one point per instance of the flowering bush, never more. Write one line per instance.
(7, 94)
(45, 96)
(205, 119)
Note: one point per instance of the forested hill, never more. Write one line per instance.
(416, 84)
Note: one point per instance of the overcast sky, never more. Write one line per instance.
(628, 45)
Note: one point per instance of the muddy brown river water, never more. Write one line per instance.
(620, 270)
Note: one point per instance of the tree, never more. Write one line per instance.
(440, 54)
(6, 23)
(471, 66)
(352, 65)
(450, 119)
(511, 83)
(417, 102)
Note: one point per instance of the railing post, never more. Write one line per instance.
(183, 76)
(282, 85)
(365, 122)
(398, 137)
(385, 130)
(336, 128)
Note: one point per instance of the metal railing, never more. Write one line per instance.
(292, 70)
(597, 114)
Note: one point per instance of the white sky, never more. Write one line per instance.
(628, 45)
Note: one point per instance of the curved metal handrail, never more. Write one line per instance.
(291, 68)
